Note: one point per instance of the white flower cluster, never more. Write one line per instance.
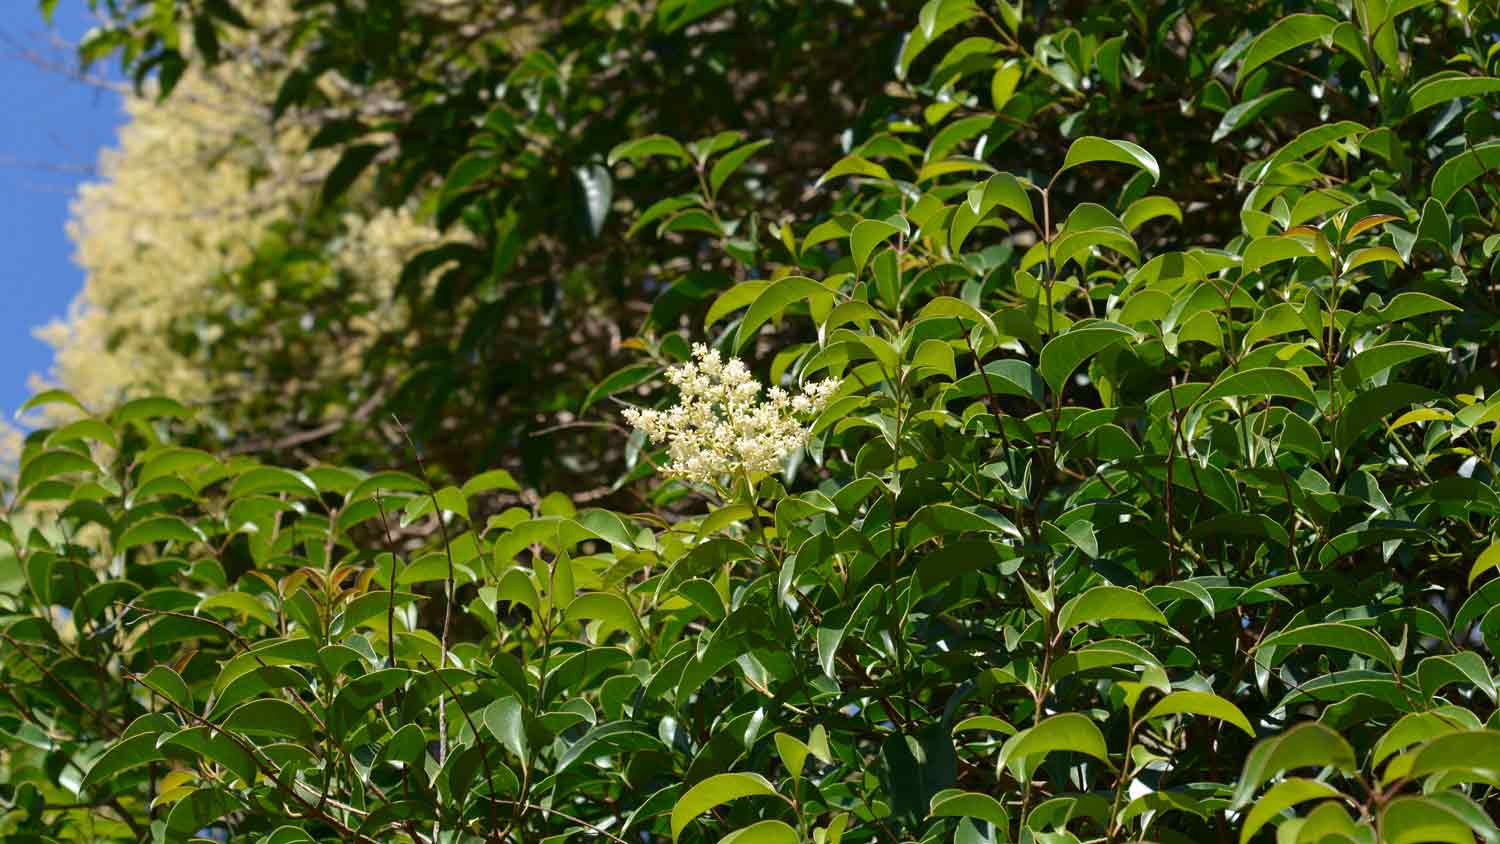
(721, 425)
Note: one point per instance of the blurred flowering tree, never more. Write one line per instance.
(213, 275)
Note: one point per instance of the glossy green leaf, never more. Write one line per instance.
(131, 752)
(971, 804)
(1285, 35)
(1064, 353)
(1344, 637)
(1108, 603)
(1285, 794)
(716, 791)
(1069, 731)
(733, 161)
(1444, 86)
(775, 298)
(762, 832)
(1089, 149)
(641, 149)
(159, 529)
(506, 721)
(1420, 820)
(1200, 703)
(1260, 383)
(1461, 170)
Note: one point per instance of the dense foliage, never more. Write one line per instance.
(1080, 430)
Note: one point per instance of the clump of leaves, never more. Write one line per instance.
(1113, 532)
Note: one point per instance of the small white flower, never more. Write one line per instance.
(720, 425)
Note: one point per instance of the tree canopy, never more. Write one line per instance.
(771, 422)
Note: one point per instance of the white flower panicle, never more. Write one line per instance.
(721, 425)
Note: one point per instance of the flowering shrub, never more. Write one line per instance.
(721, 427)
(1128, 497)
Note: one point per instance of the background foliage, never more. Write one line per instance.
(1157, 501)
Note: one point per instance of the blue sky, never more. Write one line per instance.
(50, 135)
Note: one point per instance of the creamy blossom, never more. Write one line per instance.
(721, 425)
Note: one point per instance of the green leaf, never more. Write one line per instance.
(489, 481)
(1003, 84)
(793, 752)
(864, 237)
(179, 462)
(1372, 255)
(1001, 190)
(985, 722)
(169, 684)
(1259, 384)
(971, 804)
(1306, 745)
(1008, 377)
(242, 603)
(1109, 603)
(1464, 668)
(1077, 245)
(956, 559)
(915, 768)
(159, 529)
(215, 747)
(1449, 85)
(942, 518)
(619, 381)
(940, 307)
(1200, 703)
(1149, 208)
(640, 149)
(1069, 731)
(1089, 148)
(1283, 795)
(388, 482)
(351, 164)
(1422, 820)
(271, 717)
(762, 832)
(607, 607)
(269, 479)
(1312, 140)
(1404, 306)
(1488, 559)
(1469, 751)
(1458, 171)
(1378, 359)
(1269, 250)
(1066, 352)
(1372, 406)
(935, 18)
(468, 171)
(506, 721)
(853, 165)
(196, 811)
(1285, 35)
(775, 298)
(50, 464)
(46, 397)
(732, 161)
(731, 300)
(127, 753)
(1248, 112)
(151, 407)
(716, 791)
(1345, 637)
(1418, 727)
